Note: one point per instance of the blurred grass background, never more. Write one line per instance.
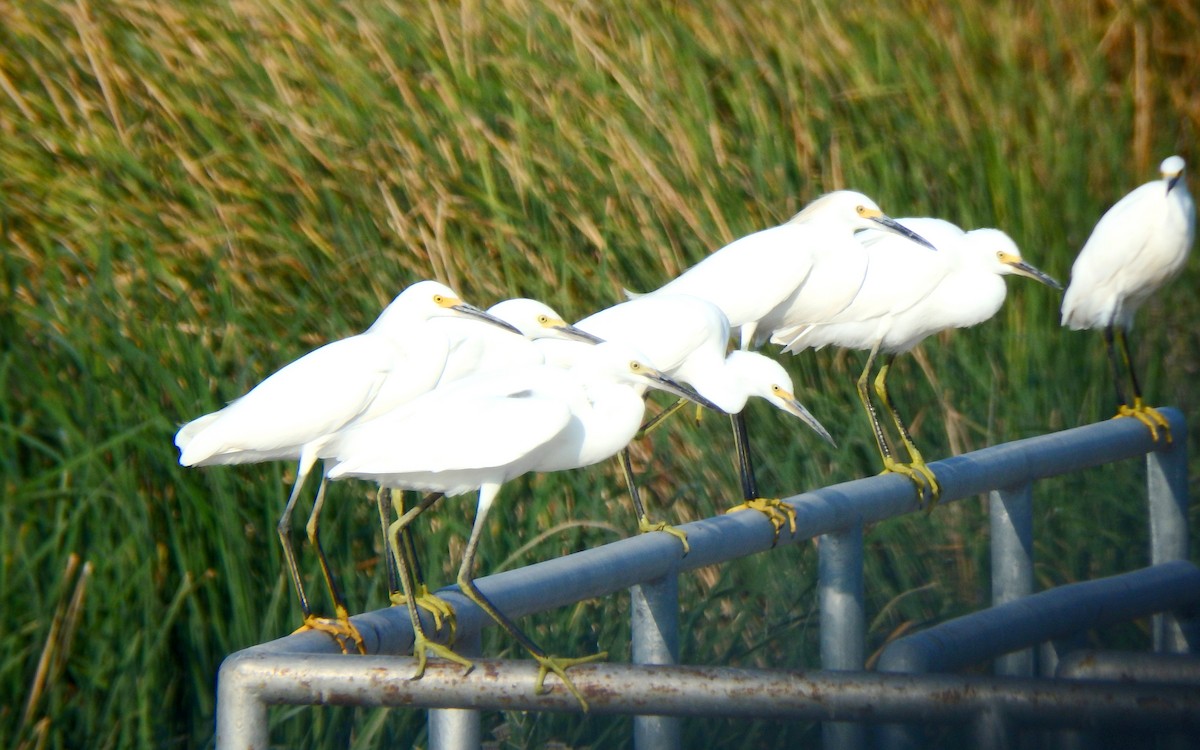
(193, 194)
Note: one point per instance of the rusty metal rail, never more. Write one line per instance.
(293, 669)
(703, 692)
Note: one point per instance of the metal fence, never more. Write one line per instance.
(305, 668)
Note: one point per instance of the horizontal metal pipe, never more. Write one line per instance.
(614, 567)
(1112, 666)
(711, 691)
(1045, 616)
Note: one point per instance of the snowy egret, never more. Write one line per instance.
(482, 431)
(1138, 245)
(687, 338)
(291, 414)
(907, 295)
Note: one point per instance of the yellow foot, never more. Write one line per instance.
(646, 525)
(340, 629)
(1148, 416)
(777, 512)
(441, 610)
(423, 648)
(922, 476)
(548, 664)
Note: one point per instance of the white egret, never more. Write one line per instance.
(1138, 245)
(293, 413)
(482, 431)
(907, 295)
(687, 338)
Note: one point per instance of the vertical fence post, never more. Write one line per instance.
(1166, 480)
(242, 721)
(654, 610)
(458, 728)
(1011, 512)
(992, 731)
(843, 623)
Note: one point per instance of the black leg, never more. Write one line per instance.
(741, 442)
(1118, 376)
(1123, 340)
(289, 552)
(644, 522)
(466, 582)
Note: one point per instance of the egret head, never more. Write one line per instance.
(998, 249)
(428, 299)
(536, 320)
(767, 379)
(1172, 170)
(855, 211)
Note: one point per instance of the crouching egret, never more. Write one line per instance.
(907, 295)
(293, 413)
(1138, 245)
(482, 431)
(687, 338)
(802, 272)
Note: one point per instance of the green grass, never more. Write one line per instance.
(193, 195)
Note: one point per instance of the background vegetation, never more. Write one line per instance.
(193, 194)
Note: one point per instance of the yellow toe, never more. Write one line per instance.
(340, 629)
(646, 525)
(559, 666)
(776, 511)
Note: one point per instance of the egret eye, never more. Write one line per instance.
(439, 299)
(543, 320)
(635, 366)
(776, 389)
(862, 210)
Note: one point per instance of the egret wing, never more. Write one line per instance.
(1107, 265)
(470, 435)
(313, 396)
(666, 327)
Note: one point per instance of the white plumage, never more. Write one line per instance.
(805, 270)
(909, 293)
(1138, 245)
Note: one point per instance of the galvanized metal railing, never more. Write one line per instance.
(305, 668)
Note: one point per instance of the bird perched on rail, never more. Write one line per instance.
(293, 413)
(798, 273)
(1138, 245)
(907, 295)
(687, 338)
(480, 432)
